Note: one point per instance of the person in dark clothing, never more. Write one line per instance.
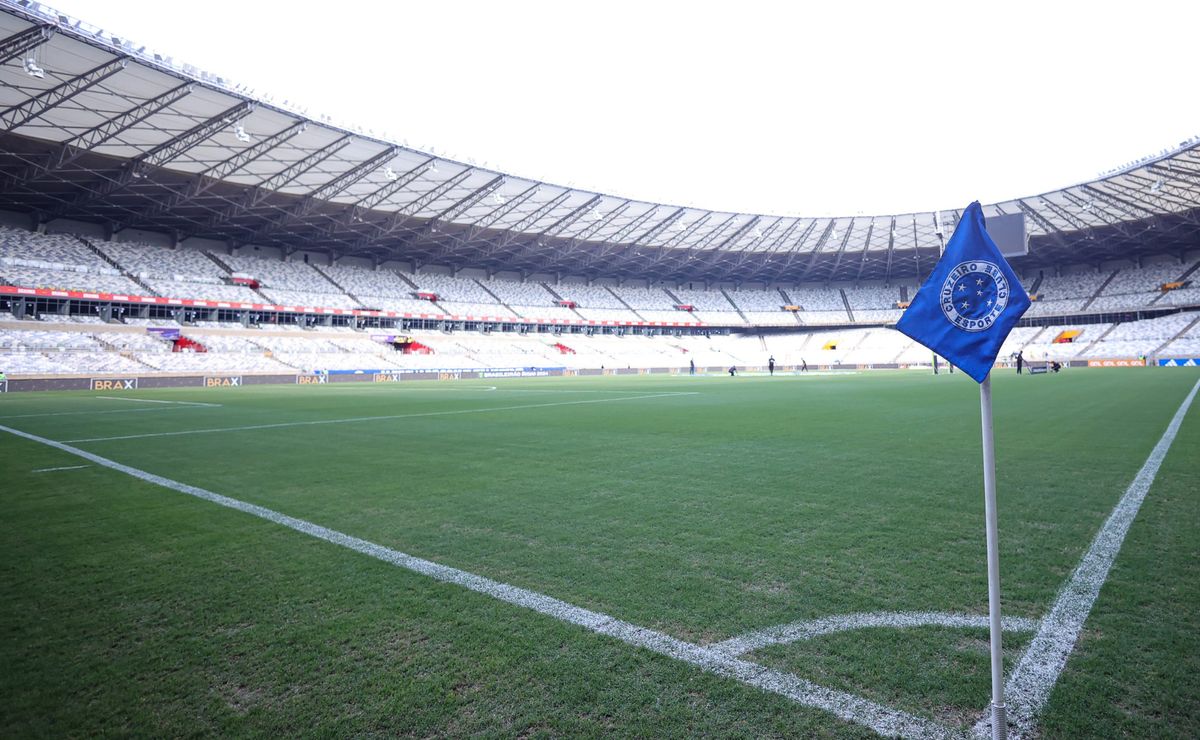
(935, 364)
(691, 367)
(1020, 362)
(732, 370)
(803, 365)
(771, 365)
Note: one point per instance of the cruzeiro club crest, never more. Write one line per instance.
(974, 295)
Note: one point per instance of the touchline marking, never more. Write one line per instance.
(355, 419)
(151, 400)
(88, 413)
(1029, 686)
(808, 629)
(883, 720)
(66, 467)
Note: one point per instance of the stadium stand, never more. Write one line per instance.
(1140, 338)
(1067, 293)
(1135, 288)
(255, 344)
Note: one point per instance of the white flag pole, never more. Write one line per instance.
(999, 725)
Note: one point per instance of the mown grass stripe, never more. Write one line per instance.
(1029, 686)
(358, 419)
(883, 720)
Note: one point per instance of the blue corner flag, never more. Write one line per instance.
(970, 302)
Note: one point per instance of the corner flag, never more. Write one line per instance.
(970, 302)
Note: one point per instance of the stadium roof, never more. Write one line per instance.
(96, 130)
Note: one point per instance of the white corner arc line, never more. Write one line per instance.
(808, 629)
(357, 419)
(152, 400)
(883, 720)
(54, 470)
(1030, 683)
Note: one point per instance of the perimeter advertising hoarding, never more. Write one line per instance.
(114, 384)
(1116, 363)
(1180, 362)
(222, 381)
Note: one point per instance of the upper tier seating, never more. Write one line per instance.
(1133, 288)
(872, 297)
(648, 298)
(757, 300)
(704, 300)
(272, 273)
(65, 251)
(454, 289)
(520, 294)
(819, 299)
(205, 291)
(588, 296)
(144, 260)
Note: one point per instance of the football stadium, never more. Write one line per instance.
(307, 431)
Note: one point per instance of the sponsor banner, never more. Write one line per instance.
(114, 384)
(222, 381)
(1038, 370)
(311, 379)
(448, 376)
(528, 373)
(387, 377)
(1180, 362)
(504, 372)
(1116, 363)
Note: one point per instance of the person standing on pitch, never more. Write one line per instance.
(771, 365)
(1020, 362)
(691, 367)
(803, 365)
(935, 363)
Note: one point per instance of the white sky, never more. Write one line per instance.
(793, 108)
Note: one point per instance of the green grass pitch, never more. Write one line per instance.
(704, 508)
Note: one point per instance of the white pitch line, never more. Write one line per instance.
(90, 413)
(883, 720)
(65, 467)
(151, 400)
(1029, 686)
(808, 629)
(356, 419)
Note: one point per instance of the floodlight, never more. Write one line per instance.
(31, 67)
(239, 132)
